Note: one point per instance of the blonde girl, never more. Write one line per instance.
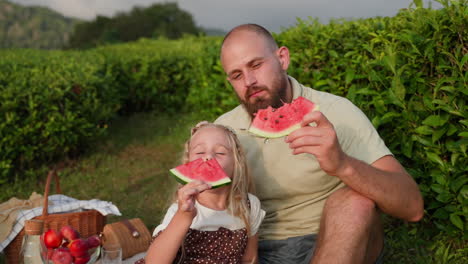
(207, 225)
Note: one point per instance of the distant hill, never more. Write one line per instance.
(42, 28)
(33, 27)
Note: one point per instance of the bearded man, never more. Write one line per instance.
(324, 186)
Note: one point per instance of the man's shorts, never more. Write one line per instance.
(293, 250)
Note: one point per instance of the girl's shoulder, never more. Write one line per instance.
(254, 201)
(253, 198)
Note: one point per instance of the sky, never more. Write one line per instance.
(224, 14)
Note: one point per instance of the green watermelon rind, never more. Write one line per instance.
(278, 134)
(181, 178)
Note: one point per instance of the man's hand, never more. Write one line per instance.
(320, 141)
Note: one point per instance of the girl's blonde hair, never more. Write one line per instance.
(237, 202)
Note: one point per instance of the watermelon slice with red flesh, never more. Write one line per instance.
(209, 171)
(279, 122)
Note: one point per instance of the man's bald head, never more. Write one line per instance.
(254, 28)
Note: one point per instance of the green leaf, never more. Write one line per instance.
(456, 220)
(464, 60)
(456, 184)
(407, 146)
(441, 213)
(320, 83)
(450, 89)
(333, 53)
(434, 158)
(438, 188)
(434, 120)
(453, 158)
(349, 76)
(434, 204)
(452, 130)
(440, 178)
(464, 191)
(394, 99)
(376, 121)
(424, 130)
(398, 88)
(444, 197)
(422, 141)
(438, 134)
(463, 134)
(366, 91)
(389, 117)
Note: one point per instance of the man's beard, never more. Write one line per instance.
(277, 96)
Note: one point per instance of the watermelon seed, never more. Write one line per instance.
(265, 118)
(281, 116)
(276, 121)
(274, 109)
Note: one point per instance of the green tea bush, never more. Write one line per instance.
(52, 105)
(408, 73)
(152, 75)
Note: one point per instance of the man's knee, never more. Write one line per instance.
(351, 203)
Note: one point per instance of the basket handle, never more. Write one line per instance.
(52, 173)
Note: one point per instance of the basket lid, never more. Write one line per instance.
(33, 226)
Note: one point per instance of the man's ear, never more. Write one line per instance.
(283, 56)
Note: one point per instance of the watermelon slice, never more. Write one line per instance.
(209, 171)
(279, 122)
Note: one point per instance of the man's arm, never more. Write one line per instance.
(385, 181)
(388, 184)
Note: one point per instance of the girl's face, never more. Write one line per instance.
(212, 143)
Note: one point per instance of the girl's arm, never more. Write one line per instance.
(251, 255)
(164, 248)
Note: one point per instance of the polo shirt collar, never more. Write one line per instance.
(297, 89)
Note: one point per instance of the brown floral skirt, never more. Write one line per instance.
(222, 246)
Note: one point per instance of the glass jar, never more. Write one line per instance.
(31, 248)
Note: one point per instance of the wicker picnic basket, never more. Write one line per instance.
(132, 236)
(87, 223)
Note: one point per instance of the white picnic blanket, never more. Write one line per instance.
(59, 203)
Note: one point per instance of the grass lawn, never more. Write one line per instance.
(130, 168)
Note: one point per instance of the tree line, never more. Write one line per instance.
(158, 20)
(42, 28)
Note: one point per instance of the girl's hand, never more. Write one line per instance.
(187, 194)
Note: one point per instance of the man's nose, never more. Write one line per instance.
(249, 79)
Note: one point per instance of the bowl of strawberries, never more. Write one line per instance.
(66, 246)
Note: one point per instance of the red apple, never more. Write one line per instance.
(81, 260)
(62, 256)
(52, 238)
(69, 233)
(78, 247)
(93, 241)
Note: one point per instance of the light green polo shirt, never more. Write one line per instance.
(293, 188)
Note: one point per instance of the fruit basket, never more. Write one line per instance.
(67, 247)
(87, 222)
